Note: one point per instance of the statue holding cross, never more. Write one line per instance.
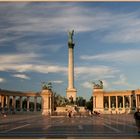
(70, 35)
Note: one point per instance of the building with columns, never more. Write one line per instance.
(115, 102)
(21, 101)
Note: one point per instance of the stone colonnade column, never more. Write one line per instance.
(123, 103)
(109, 105)
(7, 101)
(28, 102)
(136, 100)
(130, 102)
(116, 101)
(13, 102)
(35, 102)
(0, 100)
(50, 101)
(20, 103)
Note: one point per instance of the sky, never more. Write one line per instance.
(34, 37)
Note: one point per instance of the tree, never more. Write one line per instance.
(89, 104)
(80, 101)
(60, 100)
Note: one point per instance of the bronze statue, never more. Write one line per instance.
(46, 85)
(98, 86)
(71, 33)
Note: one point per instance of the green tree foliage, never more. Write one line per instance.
(89, 104)
(60, 100)
(80, 101)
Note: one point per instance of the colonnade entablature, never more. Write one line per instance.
(13, 101)
(116, 102)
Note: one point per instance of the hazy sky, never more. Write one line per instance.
(33, 45)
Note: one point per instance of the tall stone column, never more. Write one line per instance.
(0, 99)
(7, 101)
(14, 102)
(50, 103)
(71, 91)
(20, 100)
(136, 100)
(35, 102)
(123, 102)
(130, 102)
(28, 102)
(109, 106)
(117, 102)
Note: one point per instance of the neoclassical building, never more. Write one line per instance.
(115, 102)
(21, 101)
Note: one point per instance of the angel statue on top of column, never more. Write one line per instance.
(70, 35)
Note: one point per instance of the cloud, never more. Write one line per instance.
(127, 56)
(27, 18)
(28, 62)
(22, 76)
(123, 81)
(17, 58)
(57, 82)
(95, 70)
(54, 48)
(87, 85)
(33, 47)
(33, 68)
(24, 19)
(2, 80)
(127, 29)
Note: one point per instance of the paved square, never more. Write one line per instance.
(37, 126)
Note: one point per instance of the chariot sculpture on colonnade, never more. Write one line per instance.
(98, 86)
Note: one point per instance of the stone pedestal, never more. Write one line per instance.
(71, 93)
(46, 102)
(98, 102)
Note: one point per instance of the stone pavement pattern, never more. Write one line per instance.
(37, 126)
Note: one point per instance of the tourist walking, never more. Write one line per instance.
(137, 119)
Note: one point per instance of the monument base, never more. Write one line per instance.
(74, 108)
(71, 93)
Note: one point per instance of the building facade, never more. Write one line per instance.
(27, 101)
(115, 102)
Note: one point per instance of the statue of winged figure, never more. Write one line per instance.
(70, 35)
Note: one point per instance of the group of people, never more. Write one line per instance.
(4, 111)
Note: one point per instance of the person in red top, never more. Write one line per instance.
(137, 119)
